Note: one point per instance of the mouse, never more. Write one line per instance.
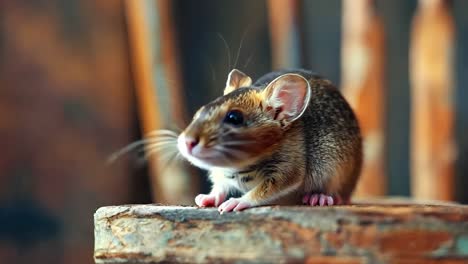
(290, 137)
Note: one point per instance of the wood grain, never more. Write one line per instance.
(344, 234)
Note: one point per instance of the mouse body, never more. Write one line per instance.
(288, 138)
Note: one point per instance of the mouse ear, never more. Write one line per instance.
(235, 80)
(287, 97)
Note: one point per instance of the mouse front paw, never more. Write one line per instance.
(210, 200)
(234, 204)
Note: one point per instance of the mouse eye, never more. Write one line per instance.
(234, 117)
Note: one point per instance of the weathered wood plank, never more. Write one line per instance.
(380, 233)
(363, 85)
(432, 117)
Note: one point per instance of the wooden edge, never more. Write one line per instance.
(363, 233)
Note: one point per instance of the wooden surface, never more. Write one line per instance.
(363, 57)
(379, 233)
(433, 149)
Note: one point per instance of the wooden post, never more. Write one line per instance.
(431, 73)
(158, 89)
(283, 16)
(362, 84)
(379, 233)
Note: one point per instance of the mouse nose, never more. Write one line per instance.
(191, 143)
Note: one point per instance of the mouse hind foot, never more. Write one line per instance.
(320, 199)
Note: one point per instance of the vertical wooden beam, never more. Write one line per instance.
(432, 116)
(158, 89)
(363, 86)
(168, 64)
(283, 16)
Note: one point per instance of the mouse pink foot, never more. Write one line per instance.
(209, 200)
(234, 204)
(316, 199)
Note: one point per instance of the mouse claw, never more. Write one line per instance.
(316, 199)
(234, 204)
(306, 198)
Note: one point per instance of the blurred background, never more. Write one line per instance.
(81, 79)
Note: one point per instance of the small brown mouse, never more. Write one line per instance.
(290, 137)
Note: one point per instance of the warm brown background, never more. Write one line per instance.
(67, 101)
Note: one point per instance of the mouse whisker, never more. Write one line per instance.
(159, 145)
(177, 129)
(161, 136)
(165, 156)
(230, 152)
(223, 156)
(173, 158)
(159, 149)
(162, 132)
(226, 133)
(150, 141)
(237, 153)
(222, 151)
(240, 47)
(150, 151)
(179, 155)
(161, 140)
(158, 142)
(227, 49)
(130, 147)
(238, 143)
(226, 160)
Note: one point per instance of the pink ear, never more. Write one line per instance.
(236, 79)
(288, 95)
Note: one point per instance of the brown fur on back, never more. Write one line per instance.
(323, 148)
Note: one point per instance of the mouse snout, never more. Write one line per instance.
(190, 143)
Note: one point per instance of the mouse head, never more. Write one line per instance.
(246, 123)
